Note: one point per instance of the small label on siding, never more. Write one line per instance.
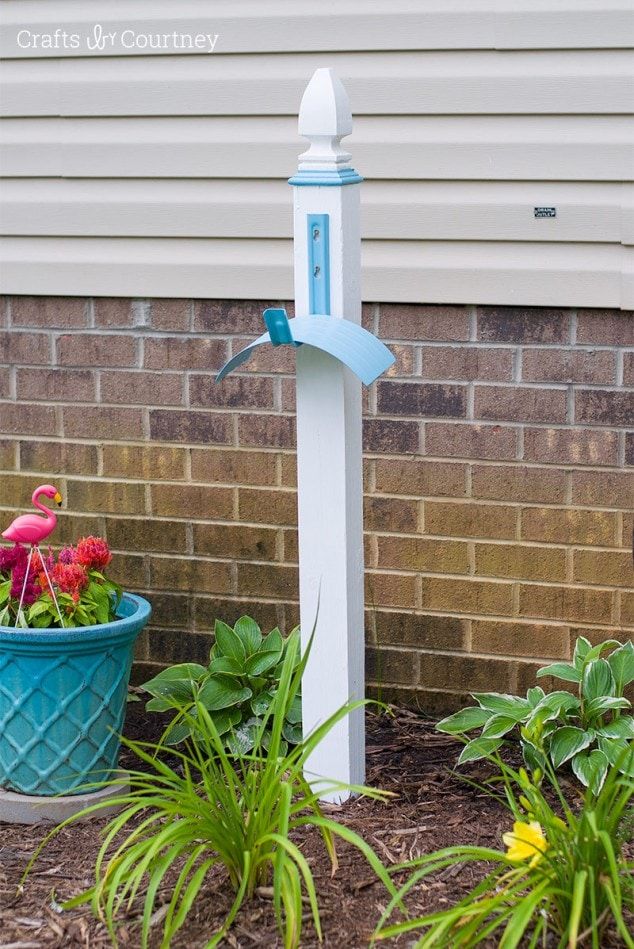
(545, 212)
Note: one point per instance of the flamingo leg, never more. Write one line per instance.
(26, 577)
(50, 585)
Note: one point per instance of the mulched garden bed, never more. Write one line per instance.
(433, 809)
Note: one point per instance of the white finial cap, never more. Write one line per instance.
(324, 119)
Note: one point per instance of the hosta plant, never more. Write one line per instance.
(591, 729)
(563, 879)
(214, 810)
(236, 689)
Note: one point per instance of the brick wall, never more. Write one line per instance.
(498, 475)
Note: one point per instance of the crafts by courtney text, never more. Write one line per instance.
(102, 39)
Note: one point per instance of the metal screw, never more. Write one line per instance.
(316, 271)
(316, 234)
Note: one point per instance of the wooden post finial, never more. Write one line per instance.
(324, 119)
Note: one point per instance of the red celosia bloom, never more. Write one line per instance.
(93, 553)
(70, 577)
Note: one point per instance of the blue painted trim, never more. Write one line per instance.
(319, 263)
(306, 177)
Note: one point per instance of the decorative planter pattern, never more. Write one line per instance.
(63, 696)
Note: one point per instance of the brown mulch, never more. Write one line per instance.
(433, 809)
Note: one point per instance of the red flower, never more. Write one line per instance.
(70, 577)
(93, 553)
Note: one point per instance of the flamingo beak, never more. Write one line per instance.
(58, 499)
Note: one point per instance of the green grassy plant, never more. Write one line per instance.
(213, 809)
(591, 730)
(562, 880)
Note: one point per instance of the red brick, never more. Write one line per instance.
(452, 519)
(275, 359)
(191, 574)
(392, 665)
(423, 554)
(393, 437)
(515, 404)
(515, 324)
(449, 673)
(518, 483)
(603, 488)
(271, 580)
(172, 425)
(521, 639)
(467, 596)
(235, 392)
(394, 515)
(236, 541)
(604, 567)
(171, 314)
(106, 497)
(569, 526)
(102, 421)
(629, 448)
(233, 467)
(7, 454)
(418, 398)
(129, 571)
(565, 603)
(406, 321)
(63, 457)
(23, 348)
(569, 365)
(232, 317)
(266, 431)
(404, 361)
(56, 385)
(144, 534)
(267, 507)
(570, 446)
(175, 352)
(113, 312)
(628, 369)
(24, 419)
(467, 363)
(606, 327)
(522, 561)
(391, 589)
(144, 462)
(63, 312)
(5, 382)
(470, 441)
(604, 407)
(84, 349)
(146, 388)
(289, 470)
(191, 501)
(424, 632)
(420, 477)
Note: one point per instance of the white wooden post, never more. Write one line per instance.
(329, 453)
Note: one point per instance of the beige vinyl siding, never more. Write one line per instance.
(165, 175)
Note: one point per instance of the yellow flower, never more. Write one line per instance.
(526, 842)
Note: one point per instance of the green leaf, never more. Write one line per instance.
(605, 704)
(533, 756)
(479, 748)
(582, 648)
(222, 692)
(226, 719)
(273, 642)
(591, 768)
(241, 740)
(535, 695)
(464, 721)
(561, 701)
(227, 666)
(567, 742)
(292, 733)
(619, 753)
(5, 590)
(249, 633)
(260, 663)
(620, 728)
(4, 616)
(597, 680)
(40, 606)
(229, 643)
(622, 665)
(176, 683)
(294, 713)
(498, 726)
(261, 702)
(177, 733)
(560, 670)
(511, 705)
(158, 705)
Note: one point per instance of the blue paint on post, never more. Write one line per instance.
(319, 263)
(325, 179)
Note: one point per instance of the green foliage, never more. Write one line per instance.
(562, 891)
(212, 809)
(589, 730)
(236, 689)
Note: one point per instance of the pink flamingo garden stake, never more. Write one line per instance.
(32, 529)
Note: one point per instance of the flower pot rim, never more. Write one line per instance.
(128, 622)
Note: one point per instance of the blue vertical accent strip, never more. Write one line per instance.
(319, 263)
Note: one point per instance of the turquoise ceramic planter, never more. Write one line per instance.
(63, 699)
